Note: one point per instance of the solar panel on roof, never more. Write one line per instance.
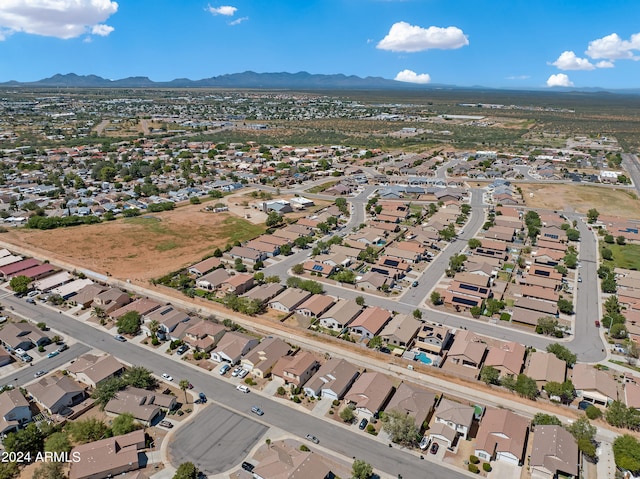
(317, 267)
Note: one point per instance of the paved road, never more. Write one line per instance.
(335, 438)
(632, 165)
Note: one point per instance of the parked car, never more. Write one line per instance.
(424, 443)
(257, 410)
(312, 438)
(167, 377)
(202, 397)
(363, 423)
(166, 424)
(414, 284)
(242, 388)
(26, 358)
(583, 405)
(247, 466)
(224, 369)
(31, 300)
(597, 323)
(63, 347)
(53, 354)
(243, 373)
(120, 338)
(434, 448)
(182, 349)
(39, 374)
(236, 371)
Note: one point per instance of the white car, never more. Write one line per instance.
(236, 371)
(243, 373)
(167, 377)
(242, 388)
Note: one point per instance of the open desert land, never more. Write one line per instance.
(580, 198)
(143, 247)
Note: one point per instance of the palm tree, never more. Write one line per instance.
(154, 326)
(184, 385)
(99, 312)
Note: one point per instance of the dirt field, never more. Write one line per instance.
(140, 248)
(608, 201)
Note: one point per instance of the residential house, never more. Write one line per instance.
(171, 322)
(142, 306)
(14, 411)
(455, 415)
(22, 335)
(232, 347)
(316, 267)
(108, 457)
(247, 254)
(554, 453)
(373, 281)
(284, 461)
(93, 370)
(56, 394)
(15, 269)
(296, 369)
(289, 300)
(264, 292)
(594, 385)
(204, 266)
(260, 361)
(492, 249)
(86, 295)
(142, 404)
(433, 338)
(441, 433)
(413, 400)
(370, 393)
(507, 358)
(212, 281)
(553, 233)
(340, 314)
(315, 306)
(370, 322)
(467, 350)
(545, 367)
(332, 381)
(237, 284)
(204, 335)
(110, 300)
(401, 330)
(502, 436)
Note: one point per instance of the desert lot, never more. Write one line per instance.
(608, 201)
(140, 248)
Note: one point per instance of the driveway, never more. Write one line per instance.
(216, 440)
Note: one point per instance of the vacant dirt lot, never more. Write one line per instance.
(608, 201)
(140, 248)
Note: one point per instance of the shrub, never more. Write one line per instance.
(473, 468)
(371, 429)
(335, 403)
(593, 412)
(296, 399)
(281, 391)
(486, 467)
(42, 326)
(474, 459)
(304, 448)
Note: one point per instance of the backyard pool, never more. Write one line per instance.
(423, 358)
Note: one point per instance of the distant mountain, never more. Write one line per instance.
(282, 81)
(249, 79)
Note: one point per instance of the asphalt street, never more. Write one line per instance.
(349, 442)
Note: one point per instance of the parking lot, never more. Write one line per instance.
(216, 441)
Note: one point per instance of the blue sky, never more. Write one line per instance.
(516, 43)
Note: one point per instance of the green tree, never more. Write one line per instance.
(618, 331)
(606, 254)
(297, 269)
(474, 243)
(360, 300)
(49, 470)
(436, 298)
(571, 261)
(526, 386)
(475, 311)
(593, 412)
(375, 342)
(490, 375)
(184, 385)
(565, 390)
(20, 284)
(28, 440)
(493, 306)
(124, 424)
(592, 215)
(547, 325)
(106, 391)
(585, 433)
(609, 239)
(347, 415)
(417, 313)
(139, 377)
(456, 262)
(129, 323)
(88, 430)
(361, 469)
(621, 240)
(561, 352)
(542, 419)
(401, 427)
(9, 470)
(565, 306)
(609, 285)
(57, 442)
(626, 452)
(186, 470)
(273, 219)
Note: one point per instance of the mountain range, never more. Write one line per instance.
(253, 80)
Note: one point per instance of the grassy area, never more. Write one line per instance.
(626, 256)
(151, 224)
(238, 229)
(323, 186)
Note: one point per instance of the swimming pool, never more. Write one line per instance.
(423, 358)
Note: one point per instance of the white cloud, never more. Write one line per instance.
(559, 80)
(410, 76)
(519, 77)
(612, 47)
(569, 61)
(56, 18)
(225, 10)
(604, 64)
(102, 30)
(238, 21)
(403, 37)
